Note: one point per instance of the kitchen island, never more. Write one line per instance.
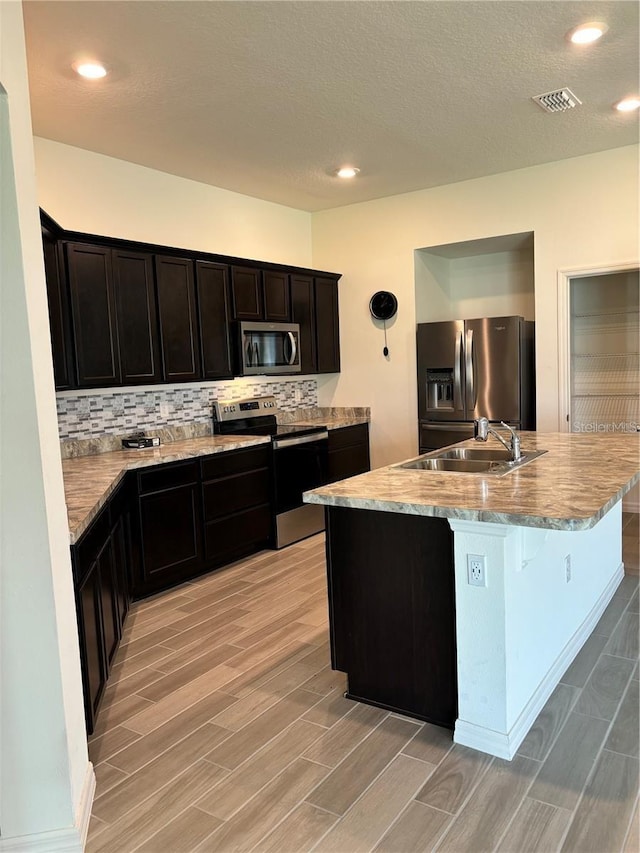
(410, 630)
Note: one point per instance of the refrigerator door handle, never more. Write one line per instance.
(469, 365)
(457, 380)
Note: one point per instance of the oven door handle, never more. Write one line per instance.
(281, 443)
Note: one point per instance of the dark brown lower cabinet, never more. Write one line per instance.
(392, 610)
(92, 658)
(100, 562)
(348, 452)
(236, 492)
(170, 526)
(198, 515)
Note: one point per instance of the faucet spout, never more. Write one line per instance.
(482, 429)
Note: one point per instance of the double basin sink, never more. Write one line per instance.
(471, 460)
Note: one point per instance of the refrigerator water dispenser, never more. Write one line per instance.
(440, 388)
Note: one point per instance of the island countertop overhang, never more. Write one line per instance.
(570, 487)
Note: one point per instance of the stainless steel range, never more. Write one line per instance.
(299, 461)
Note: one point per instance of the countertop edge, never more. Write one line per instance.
(568, 523)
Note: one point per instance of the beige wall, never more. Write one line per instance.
(89, 192)
(46, 781)
(582, 212)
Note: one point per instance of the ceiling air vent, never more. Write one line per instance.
(557, 101)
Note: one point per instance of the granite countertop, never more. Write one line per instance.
(568, 488)
(332, 418)
(90, 480)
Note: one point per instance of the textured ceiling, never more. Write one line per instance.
(267, 98)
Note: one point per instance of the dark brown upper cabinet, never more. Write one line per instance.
(327, 325)
(93, 312)
(179, 341)
(275, 286)
(303, 312)
(137, 317)
(59, 316)
(126, 313)
(246, 294)
(212, 286)
(258, 295)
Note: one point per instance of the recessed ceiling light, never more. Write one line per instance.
(628, 104)
(587, 33)
(90, 70)
(347, 172)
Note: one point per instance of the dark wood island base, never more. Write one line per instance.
(392, 611)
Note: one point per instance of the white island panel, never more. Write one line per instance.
(517, 636)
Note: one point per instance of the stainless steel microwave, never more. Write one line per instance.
(268, 348)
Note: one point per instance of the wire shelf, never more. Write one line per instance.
(606, 374)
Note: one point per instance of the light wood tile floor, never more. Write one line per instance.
(224, 729)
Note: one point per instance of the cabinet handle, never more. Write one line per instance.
(294, 347)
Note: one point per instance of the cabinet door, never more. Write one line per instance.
(120, 516)
(246, 294)
(170, 526)
(394, 632)
(276, 297)
(108, 602)
(327, 326)
(137, 317)
(348, 452)
(303, 312)
(94, 315)
(213, 307)
(177, 316)
(59, 320)
(94, 673)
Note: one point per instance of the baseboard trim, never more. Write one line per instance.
(68, 840)
(506, 744)
(83, 812)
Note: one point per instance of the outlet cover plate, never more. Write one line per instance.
(477, 569)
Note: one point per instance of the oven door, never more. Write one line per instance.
(300, 464)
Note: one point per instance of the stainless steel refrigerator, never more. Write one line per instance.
(469, 369)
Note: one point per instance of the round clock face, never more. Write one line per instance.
(383, 305)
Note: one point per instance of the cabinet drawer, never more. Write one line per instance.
(167, 476)
(86, 551)
(235, 462)
(235, 493)
(348, 461)
(237, 534)
(347, 436)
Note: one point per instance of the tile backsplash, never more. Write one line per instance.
(123, 410)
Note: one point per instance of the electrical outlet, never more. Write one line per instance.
(297, 395)
(567, 568)
(164, 409)
(477, 569)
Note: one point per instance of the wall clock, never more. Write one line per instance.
(383, 306)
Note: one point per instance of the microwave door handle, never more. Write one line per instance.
(469, 365)
(256, 353)
(294, 347)
(457, 380)
(248, 353)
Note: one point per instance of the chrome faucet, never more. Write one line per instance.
(481, 430)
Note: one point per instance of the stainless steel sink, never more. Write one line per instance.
(469, 460)
(489, 455)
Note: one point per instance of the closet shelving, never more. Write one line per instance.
(605, 352)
